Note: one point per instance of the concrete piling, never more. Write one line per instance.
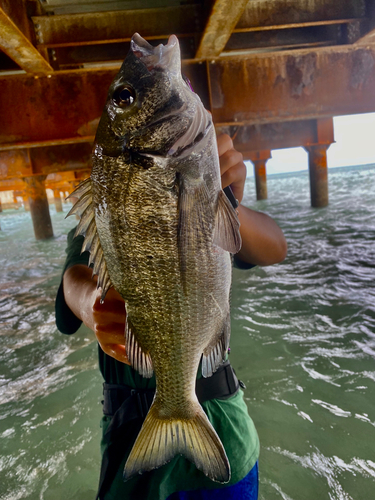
(259, 160)
(39, 207)
(58, 202)
(318, 174)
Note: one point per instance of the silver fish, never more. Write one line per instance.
(160, 230)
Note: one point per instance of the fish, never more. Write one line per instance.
(161, 231)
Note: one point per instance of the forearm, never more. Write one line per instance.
(79, 289)
(263, 242)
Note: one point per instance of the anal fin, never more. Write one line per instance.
(215, 353)
(139, 360)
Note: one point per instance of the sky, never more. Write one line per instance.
(355, 145)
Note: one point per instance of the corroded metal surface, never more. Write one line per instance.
(51, 108)
(279, 135)
(273, 12)
(223, 18)
(45, 160)
(72, 29)
(15, 44)
(293, 84)
(244, 91)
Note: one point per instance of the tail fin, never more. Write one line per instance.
(161, 439)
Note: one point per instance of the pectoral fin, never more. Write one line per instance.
(87, 227)
(227, 226)
(196, 218)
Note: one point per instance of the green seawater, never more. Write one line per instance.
(303, 341)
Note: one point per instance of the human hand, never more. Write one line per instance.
(107, 320)
(108, 323)
(232, 167)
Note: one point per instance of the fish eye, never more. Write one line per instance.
(124, 96)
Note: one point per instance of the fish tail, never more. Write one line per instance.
(161, 439)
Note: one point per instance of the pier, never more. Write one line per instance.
(272, 73)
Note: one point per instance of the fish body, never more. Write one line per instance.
(160, 230)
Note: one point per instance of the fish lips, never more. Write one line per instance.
(162, 56)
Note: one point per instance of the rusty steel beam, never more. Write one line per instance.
(116, 26)
(279, 135)
(292, 85)
(19, 11)
(51, 109)
(47, 143)
(310, 24)
(223, 18)
(286, 86)
(45, 160)
(12, 185)
(279, 12)
(19, 48)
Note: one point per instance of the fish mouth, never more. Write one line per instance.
(164, 56)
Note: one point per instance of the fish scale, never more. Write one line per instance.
(163, 234)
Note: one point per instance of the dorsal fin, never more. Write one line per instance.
(84, 208)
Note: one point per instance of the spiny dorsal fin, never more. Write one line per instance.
(139, 360)
(215, 353)
(84, 208)
(227, 226)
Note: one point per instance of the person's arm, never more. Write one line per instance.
(107, 320)
(263, 242)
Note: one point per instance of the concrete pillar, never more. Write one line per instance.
(318, 174)
(259, 160)
(1, 206)
(39, 208)
(26, 203)
(58, 202)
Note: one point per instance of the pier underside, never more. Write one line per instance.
(273, 73)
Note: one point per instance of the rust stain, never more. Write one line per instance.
(362, 68)
(301, 72)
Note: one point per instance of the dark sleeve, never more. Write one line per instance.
(66, 321)
(241, 264)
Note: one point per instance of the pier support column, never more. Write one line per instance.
(259, 159)
(318, 174)
(26, 203)
(58, 202)
(39, 207)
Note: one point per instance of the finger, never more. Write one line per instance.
(224, 144)
(235, 178)
(111, 310)
(230, 159)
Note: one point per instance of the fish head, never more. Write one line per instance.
(150, 108)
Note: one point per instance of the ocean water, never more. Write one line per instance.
(303, 341)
